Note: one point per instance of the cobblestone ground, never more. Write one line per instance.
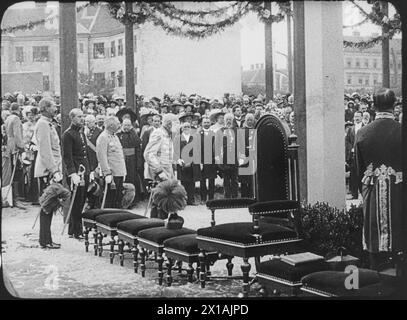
(70, 272)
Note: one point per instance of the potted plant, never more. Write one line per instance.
(171, 197)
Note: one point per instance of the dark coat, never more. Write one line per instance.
(190, 171)
(75, 150)
(92, 137)
(209, 170)
(378, 153)
(236, 124)
(350, 143)
(222, 144)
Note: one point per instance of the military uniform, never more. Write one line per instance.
(208, 166)
(48, 162)
(75, 154)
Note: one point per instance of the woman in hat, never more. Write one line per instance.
(217, 118)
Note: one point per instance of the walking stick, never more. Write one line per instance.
(149, 203)
(38, 214)
(104, 196)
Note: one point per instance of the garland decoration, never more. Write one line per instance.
(32, 24)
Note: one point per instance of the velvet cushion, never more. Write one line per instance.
(160, 234)
(333, 282)
(242, 232)
(229, 203)
(112, 219)
(93, 213)
(134, 226)
(186, 243)
(282, 270)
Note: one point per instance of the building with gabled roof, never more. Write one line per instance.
(163, 63)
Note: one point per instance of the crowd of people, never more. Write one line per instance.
(111, 150)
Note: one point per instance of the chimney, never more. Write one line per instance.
(356, 33)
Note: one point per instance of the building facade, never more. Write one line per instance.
(163, 63)
(363, 68)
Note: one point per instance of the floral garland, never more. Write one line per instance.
(195, 23)
(31, 25)
(377, 17)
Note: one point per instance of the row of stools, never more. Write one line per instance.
(146, 238)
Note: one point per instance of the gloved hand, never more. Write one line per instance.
(181, 162)
(33, 147)
(75, 178)
(241, 162)
(108, 179)
(57, 176)
(163, 176)
(91, 176)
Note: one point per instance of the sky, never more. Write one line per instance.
(252, 32)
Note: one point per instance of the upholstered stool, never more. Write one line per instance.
(222, 204)
(153, 239)
(89, 223)
(333, 284)
(277, 277)
(185, 248)
(106, 224)
(127, 233)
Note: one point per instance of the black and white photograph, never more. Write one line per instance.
(193, 150)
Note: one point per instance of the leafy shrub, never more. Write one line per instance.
(327, 229)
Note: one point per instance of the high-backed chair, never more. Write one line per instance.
(275, 227)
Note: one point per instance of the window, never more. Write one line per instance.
(113, 49)
(19, 54)
(45, 83)
(99, 78)
(135, 75)
(349, 80)
(135, 43)
(81, 47)
(349, 63)
(98, 50)
(357, 63)
(120, 79)
(375, 81)
(40, 54)
(360, 81)
(120, 47)
(367, 81)
(113, 78)
(375, 63)
(366, 63)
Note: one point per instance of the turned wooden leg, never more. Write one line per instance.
(95, 243)
(190, 272)
(229, 266)
(179, 266)
(111, 254)
(202, 263)
(143, 262)
(169, 268)
(100, 246)
(120, 246)
(246, 269)
(208, 268)
(86, 235)
(135, 252)
(160, 261)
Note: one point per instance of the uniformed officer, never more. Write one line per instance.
(48, 164)
(75, 154)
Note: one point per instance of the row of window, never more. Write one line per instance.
(41, 53)
(362, 81)
(364, 63)
(113, 79)
(100, 51)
